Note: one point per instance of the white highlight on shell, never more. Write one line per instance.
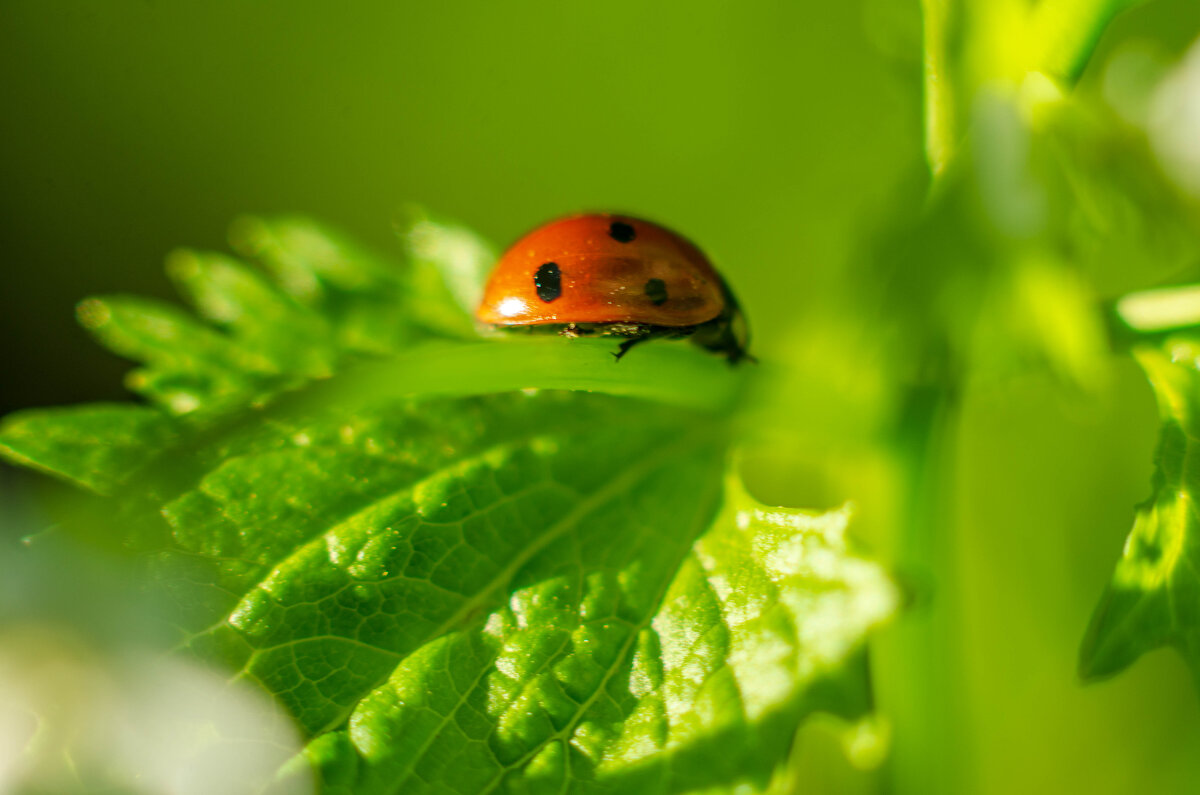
(512, 306)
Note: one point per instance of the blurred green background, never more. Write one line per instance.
(773, 133)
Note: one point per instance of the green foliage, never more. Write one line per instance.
(470, 565)
(452, 565)
(1060, 201)
(1154, 597)
(977, 45)
(1041, 203)
(97, 447)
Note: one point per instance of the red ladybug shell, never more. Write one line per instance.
(602, 268)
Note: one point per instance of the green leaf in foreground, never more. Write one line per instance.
(1153, 599)
(455, 568)
(663, 666)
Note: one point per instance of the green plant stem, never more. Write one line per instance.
(918, 661)
(938, 95)
(1069, 30)
(1062, 35)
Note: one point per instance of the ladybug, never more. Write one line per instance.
(613, 275)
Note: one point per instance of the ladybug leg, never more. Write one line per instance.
(638, 334)
(624, 347)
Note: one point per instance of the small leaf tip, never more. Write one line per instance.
(182, 264)
(93, 313)
(246, 234)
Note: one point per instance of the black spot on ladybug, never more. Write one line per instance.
(548, 281)
(621, 232)
(656, 291)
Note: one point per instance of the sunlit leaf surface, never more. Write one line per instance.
(450, 583)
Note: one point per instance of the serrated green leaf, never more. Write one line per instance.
(309, 259)
(649, 669)
(607, 624)
(97, 446)
(1153, 598)
(188, 365)
(375, 305)
(292, 337)
(455, 566)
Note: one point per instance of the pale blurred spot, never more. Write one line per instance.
(1173, 123)
(72, 715)
(1037, 97)
(1162, 309)
(1130, 77)
(1014, 201)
